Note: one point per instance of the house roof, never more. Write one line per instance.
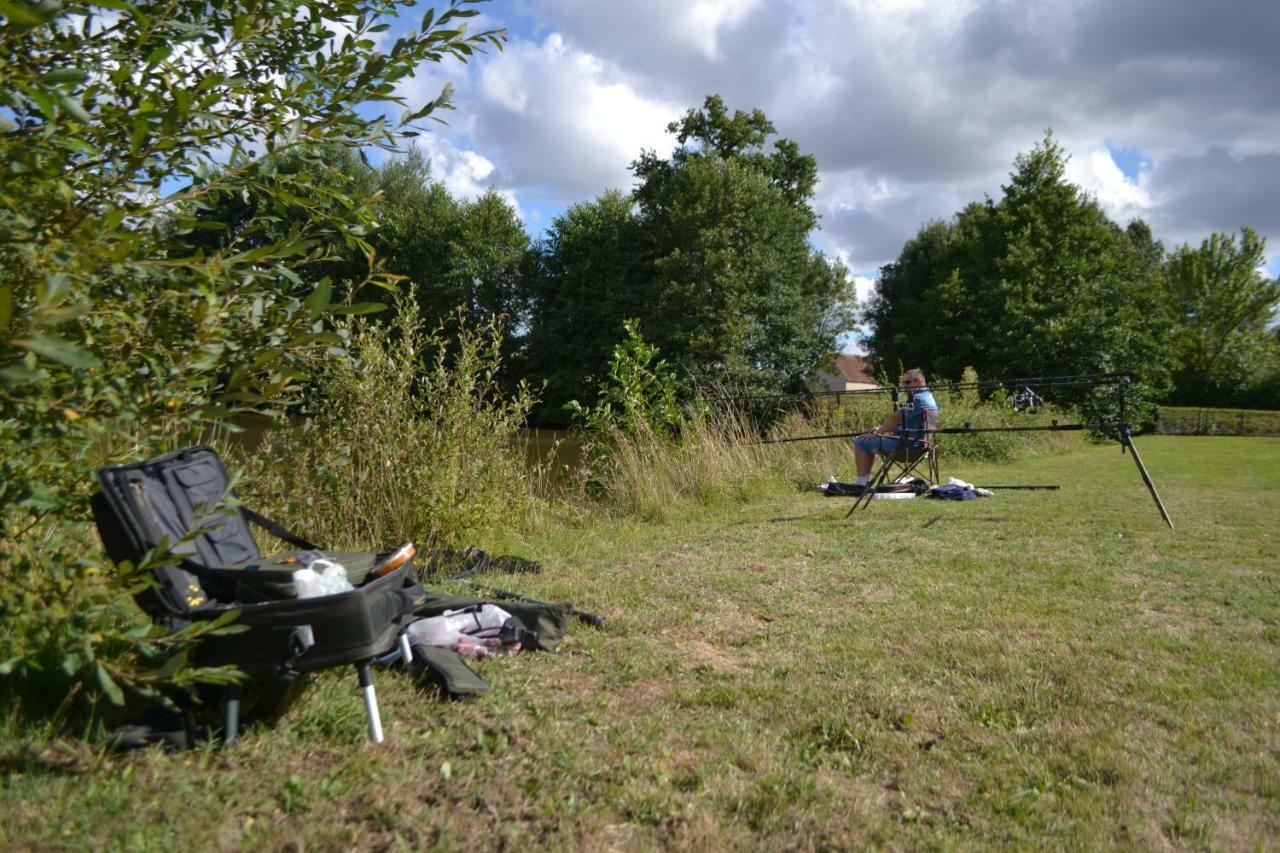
(855, 368)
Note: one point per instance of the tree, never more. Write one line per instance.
(488, 256)
(1223, 302)
(740, 137)
(121, 331)
(714, 263)
(591, 275)
(1040, 283)
(737, 294)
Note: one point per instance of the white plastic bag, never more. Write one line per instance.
(476, 631)
(321, 576)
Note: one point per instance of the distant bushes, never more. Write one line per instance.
(643, 456)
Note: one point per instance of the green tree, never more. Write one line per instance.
(488, 257)
(1223, 301)
(120, 331)
(714, 262)
(737, 294)
(591, 275)
(1039, 283)
(740, 137)
(417, 221)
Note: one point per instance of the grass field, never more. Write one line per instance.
(1036, 669)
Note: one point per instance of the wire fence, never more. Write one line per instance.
(1188, 420)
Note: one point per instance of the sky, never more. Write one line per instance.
(1169, 109)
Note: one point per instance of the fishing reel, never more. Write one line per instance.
(1027, 401)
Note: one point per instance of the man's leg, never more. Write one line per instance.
(863, 462)
(865, 448)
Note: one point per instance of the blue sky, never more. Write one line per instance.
(913, 108)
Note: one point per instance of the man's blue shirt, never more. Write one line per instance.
(920, 408)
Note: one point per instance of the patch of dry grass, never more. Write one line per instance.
(1036, 669)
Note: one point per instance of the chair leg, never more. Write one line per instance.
(233, 715)
(864, 499)
(370, 701)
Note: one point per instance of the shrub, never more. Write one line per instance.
(408, 437)
(118, 336)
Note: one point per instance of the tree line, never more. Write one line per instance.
(709, 254)
(1042, 282)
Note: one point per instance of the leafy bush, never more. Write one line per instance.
(641, 392)
(121, 337)
(400, 446)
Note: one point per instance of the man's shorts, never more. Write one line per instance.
(873, 444)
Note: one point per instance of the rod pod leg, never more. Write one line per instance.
(1127, 442)
(406, 653)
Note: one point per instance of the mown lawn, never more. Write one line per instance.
(1035, 669)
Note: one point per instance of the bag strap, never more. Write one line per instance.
(277, 531)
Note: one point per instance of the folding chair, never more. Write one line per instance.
(914, 458)
(177, 504)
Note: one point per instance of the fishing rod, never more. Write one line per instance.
(961, 430)
(1083, 380)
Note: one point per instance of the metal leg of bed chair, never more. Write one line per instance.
(370, 701)
(406, 653)
(233, 715)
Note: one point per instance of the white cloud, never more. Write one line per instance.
(465, 174)
(913, 108)
(552, 116)
(1123, 199)
(707, 17)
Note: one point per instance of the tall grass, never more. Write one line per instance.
(409, 439)
(717, 455)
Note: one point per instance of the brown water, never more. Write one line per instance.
(559, 446)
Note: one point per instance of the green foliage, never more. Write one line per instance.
(123, 330)
(640, 395)
(591, 275)
(450, 252)
(737, 295)
(72, 648)
(714, 262)
(1224, 302)
(1041, 283)
(740, 137)
(396, 445)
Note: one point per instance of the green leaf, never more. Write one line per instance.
(17, 374)
(72, 105)
(66, 75)
(160, 54)
(109, 686)
(6, 306)
(358, 308)
(320, 297)
(23, 16)
(172, 665)
(56, 349)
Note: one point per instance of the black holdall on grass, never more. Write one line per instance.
(181, 503)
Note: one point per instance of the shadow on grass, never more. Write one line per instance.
(45, 761)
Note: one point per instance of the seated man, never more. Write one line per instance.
(896, 433)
